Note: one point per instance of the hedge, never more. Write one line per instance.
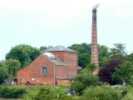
(12, 91)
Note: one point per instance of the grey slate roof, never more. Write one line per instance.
(54, 59)
(60, 48)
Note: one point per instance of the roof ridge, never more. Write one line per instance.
(59, 48)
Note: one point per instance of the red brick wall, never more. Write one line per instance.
(71, 59)
(35, 72)
(64, 82)
(61, 72)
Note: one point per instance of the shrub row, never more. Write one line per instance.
(48, 93)
(91, 93)
(103, 93)
(59, 93)
(12, 91)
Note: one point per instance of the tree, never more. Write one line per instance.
(116, 58)
(24, 53)
(120, 48)
(3, 73)
(124, 73)
(103, 54)
(130, 57)
(42, 49)
(85, 79)
(118, 52)
(119, 68)
(102, 93)
(84, 51)
(8, 69)
(106, 72)
(13, 66)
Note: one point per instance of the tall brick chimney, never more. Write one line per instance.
(94, 45)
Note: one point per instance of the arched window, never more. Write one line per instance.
(45, 71)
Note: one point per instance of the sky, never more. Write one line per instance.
(64, 22)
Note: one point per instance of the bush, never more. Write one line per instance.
(45, 93)
(102, 93)
(129, 95)
(85, 79)
(60, 93)
(48, 93)
(12, 91)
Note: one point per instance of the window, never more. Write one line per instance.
(45, 71)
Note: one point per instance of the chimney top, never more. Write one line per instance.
(95, 7)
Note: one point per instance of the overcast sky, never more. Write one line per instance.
(64, 22)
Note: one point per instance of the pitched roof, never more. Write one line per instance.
(54, 59)
(59, 48)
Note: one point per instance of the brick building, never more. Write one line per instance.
(57, 66)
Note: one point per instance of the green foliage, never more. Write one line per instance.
(8, 69)
(84, 52)
(102, 93)
(105, 92)
(103, 54)
(119, 67)
(48, 93)
(24, 53)
(3, 74)
(13, 66)
(42, 49)
(130, 57)
(117, 72)
(118, 52)
(85, 79)
(124, 73)
(106, 72)
(129, 95)
(12, 91)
